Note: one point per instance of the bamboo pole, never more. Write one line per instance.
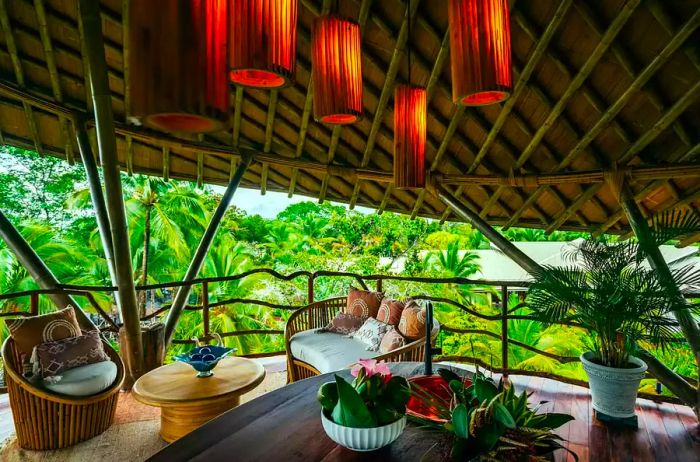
(41, 273)
(102, 103)
(98, 202)
(183, 292)
(507, 247)
(688, 324)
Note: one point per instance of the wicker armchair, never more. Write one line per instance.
(319, 314)
(45, 420)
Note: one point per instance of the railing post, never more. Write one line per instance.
(379, 284)
(205, 309)
(504, 331)
(312, 276)
(34, 304)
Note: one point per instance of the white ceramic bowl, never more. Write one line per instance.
(363, 439)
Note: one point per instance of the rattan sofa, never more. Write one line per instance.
(45, 420)
(319, 314)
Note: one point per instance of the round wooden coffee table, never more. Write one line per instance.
(188, 402)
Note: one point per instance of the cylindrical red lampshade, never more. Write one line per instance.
(263, 42)
(410, 114)
(480, 51)
(178, 65)
(336, 69)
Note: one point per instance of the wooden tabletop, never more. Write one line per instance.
(177, 383)
(286, 425)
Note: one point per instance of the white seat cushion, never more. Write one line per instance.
(328, 351)
(84, 380)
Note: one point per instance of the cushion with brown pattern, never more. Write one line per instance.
(391, 341)
(371, 333)
(30, 331)
(68, 353)
(344, 323)
(412, 323)
(390, 311)
(363, 302)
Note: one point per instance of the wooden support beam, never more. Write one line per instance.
(180, 299)
(102, 103)
(507, 247)
(387, 91)
(269, 130)
(38, 270)
(129, 156)
(686, 320)
(166, 163)
(237, 107)
(576, 83)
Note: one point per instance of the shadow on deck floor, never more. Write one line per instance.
(667, 432)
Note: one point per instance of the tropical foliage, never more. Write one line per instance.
(47, 200)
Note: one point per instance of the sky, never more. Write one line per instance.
(272, 203)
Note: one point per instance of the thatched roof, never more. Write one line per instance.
(596, 83)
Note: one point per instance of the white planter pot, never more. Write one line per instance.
(363, 439)
(613, 390)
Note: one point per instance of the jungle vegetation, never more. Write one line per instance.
(48, 201)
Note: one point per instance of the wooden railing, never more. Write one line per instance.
(500, 289)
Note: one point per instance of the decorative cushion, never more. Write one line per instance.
(390, 311)
(363, 302)
(412, 323)
(30, 331)
(327, 351)
(344, 323)
(55, 357)
(391, 341)
(84, 380)
(371, 333)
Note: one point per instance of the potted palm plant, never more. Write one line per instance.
(612, 293)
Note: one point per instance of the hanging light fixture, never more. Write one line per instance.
(410, 124)
(263, 42)
(480, 51)
(336, 70)
(178, 65)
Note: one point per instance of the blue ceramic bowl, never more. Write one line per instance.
(204, 358)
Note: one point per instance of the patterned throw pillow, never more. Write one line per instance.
(412, 323)
(390, 311)
(371, 333)
(391, 341)
(344, 323)
(52, 358)
(31, 331)
(363, 302)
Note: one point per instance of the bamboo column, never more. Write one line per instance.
(685, 318)
(98, 200)
(107, 143)
(183, 292)
(38, 270)
(507, 247)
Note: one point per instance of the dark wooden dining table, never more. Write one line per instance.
(285, 425)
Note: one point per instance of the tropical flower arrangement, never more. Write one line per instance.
(373, 399)
(490, 422)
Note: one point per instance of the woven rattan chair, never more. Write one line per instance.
(318, 315)
(45, 420)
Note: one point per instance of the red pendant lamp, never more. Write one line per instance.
(336, 70)
(263, 42)
(410, 114)
(178, 65)
(480, 51)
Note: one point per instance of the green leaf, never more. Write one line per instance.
(386, 413)
(448, 375)
(551, 420)
(351, 410)
(398, 392)
(501, 414)
(460, 421)
(328, 396)
(484, 389)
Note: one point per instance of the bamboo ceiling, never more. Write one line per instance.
(596, 84)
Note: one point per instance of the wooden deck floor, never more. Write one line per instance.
(667, 432)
